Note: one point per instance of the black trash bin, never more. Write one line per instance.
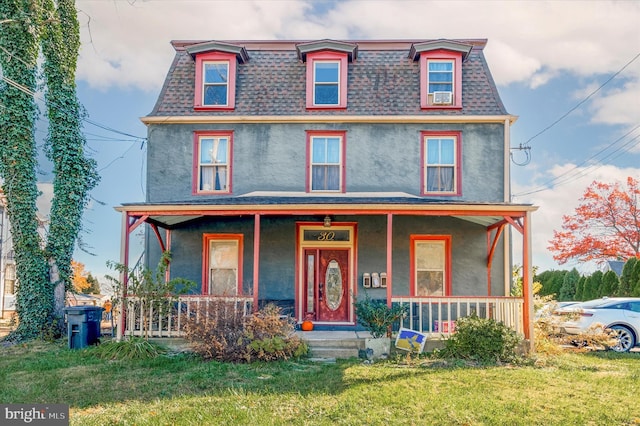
(83, 325)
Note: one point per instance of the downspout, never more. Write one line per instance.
(256, 260)
(389, 258)
(507, 199)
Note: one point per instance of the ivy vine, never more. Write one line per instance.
(28, 27)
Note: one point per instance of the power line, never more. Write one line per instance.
(583, 101)
(558, 180)
(55, 105)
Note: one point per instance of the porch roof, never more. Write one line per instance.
(168, 214)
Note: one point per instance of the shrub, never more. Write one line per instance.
(220, 330)
(377, 317)
(483, 340)
(131, 348)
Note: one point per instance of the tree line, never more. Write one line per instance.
(571, 286)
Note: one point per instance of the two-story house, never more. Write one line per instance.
(308, 172)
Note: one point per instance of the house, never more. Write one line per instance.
(615, 266)
(7, 265)
(308, 173)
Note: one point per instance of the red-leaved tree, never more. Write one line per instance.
(605, 226)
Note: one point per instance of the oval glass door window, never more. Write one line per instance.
(333, 285)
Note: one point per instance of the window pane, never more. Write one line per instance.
(319, 154)
(215, 73)
(223, 264)
(433, 151)
(430, 283)
(318, 174)
(333, 150)
(440, 77)
(221, 152)
(325, 178)
(215, 94)
(326, 94)
(326, 72)
(446, 151)
(440, 88)
(333, 178)
(440, 179)
(440, 66)
(206, 147)
(207, 178)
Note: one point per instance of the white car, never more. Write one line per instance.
(621, 314)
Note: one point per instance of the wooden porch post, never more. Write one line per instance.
(389, 258)
(124, 260)
(256, 260)
(527, 287)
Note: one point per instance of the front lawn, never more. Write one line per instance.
(592, 388)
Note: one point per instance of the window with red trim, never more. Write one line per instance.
(441, 159)
(327, 79)
(430, 265)
(325, 161)
(215, 81)
(222, 264)
(441, 79)
(212, 162)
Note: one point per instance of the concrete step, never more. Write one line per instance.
(335, 353)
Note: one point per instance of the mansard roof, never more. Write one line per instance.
(383, 80)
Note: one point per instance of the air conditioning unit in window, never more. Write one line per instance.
(442, 98)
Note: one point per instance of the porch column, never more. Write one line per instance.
(256, 259)
(527, 287)
(124, 260)
(389, 258)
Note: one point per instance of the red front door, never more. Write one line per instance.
(326, 292)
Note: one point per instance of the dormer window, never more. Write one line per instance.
(216, 65)
(440, 72)
(326, 83)
(327, 72)
(215, 84)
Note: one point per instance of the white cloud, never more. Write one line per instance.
(562, 200)
(126, 44)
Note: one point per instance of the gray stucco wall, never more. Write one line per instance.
(272, 157)
(277, 252)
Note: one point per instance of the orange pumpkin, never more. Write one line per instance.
(306, 325)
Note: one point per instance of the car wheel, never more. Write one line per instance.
(626, 339)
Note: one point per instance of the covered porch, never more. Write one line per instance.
(435, 316)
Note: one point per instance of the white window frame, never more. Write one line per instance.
(200, 186)
(326, 83)
(339, 164)
(205, 84)
(440, 165)
(452, 83)
(210, 241)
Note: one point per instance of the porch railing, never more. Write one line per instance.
(438, 315)
(160, 321)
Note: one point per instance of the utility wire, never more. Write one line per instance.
(558, 180)
(583, 101)
(55, 105)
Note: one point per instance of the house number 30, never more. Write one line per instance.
(327, 236)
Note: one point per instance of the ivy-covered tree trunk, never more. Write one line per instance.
(25, 27)
(74, 173)
(19, 38)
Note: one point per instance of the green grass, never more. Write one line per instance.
(571, 389)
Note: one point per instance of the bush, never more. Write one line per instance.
(131, 348)
(377, 317)
(219, 330)
(482, 340)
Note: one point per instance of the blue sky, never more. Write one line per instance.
(546, 57)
